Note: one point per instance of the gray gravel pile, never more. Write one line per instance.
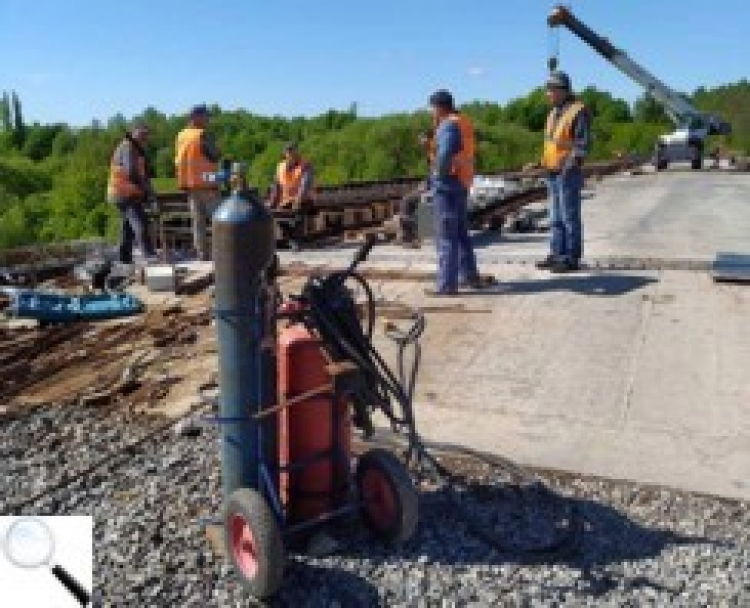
(638, 546)
(52, 444)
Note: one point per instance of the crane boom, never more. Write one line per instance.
(680, 110)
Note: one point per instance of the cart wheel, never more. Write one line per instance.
(390, 503)
(253, 542)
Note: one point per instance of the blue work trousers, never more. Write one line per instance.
(456, 259)
(134, 229)
(565, 215)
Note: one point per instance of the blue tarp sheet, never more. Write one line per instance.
(57, 308)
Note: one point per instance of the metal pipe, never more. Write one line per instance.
(243, 251)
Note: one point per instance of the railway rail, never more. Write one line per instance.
(361, 205)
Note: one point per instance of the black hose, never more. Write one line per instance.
(331, 311)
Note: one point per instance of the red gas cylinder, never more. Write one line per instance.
(314, 434)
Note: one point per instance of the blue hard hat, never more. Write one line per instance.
(442, 99)
(199, 110)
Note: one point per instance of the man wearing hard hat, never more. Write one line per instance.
(566, 143)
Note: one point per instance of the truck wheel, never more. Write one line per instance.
(253, 542)
(388, 498)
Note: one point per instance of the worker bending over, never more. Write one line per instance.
(197, 155)
(293, 190)
(451, 177)
(566, 143)
(129, 187)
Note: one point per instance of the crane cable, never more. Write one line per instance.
(553, 48)
(553, 41)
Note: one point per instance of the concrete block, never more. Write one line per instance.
(161, 278)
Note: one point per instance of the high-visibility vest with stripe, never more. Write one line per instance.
(119, 184)
(558, 136)
(462, 165)
(290, 180)
(190, 162)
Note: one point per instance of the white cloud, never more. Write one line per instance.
(476, 70)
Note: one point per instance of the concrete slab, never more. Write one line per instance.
(639, 376)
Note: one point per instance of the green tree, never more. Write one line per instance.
(19, 127)
(647, 109)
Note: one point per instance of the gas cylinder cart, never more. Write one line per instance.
(290, 396)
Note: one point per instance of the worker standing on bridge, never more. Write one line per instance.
(566, 143)
(452, 173)
(129, 187)
(197, 155)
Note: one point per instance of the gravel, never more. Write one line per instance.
(638, 546)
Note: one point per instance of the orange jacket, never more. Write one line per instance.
(190, 161)
(463, 162)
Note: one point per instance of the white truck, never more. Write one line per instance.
(692, 125)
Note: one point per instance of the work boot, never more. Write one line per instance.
(565, 266)
(479, 282)
(547, 263)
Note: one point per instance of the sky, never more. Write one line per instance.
(77, 60)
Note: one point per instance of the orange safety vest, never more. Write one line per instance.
(558, 136)
(290, 181)
(119, 184)
(462, 166)
(190, 162)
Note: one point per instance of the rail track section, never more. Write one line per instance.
(362, 205)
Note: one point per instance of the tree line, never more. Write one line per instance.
(53, 176)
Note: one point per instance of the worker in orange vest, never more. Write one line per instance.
(452, 174)
(196, 158)
(129, 187)
(294, 186)
(566, 143)
(293, 190)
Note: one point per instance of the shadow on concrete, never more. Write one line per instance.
(588, 285)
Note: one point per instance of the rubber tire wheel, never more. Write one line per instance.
(404, 494)
(269, 546)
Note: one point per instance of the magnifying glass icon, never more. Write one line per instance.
(30, 544)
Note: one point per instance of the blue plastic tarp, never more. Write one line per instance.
(59, 308)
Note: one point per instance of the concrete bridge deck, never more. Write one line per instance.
(641, 375)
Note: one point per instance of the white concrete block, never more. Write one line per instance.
(161, 278)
